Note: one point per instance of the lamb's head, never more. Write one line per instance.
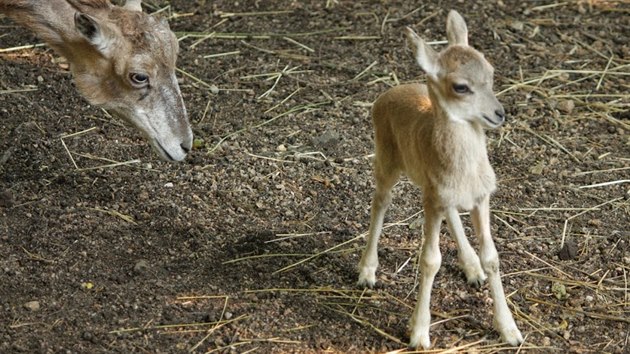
(459, 77)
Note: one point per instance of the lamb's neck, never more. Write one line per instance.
(462, 143)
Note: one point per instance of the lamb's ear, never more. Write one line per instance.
(425, 56)
(96, 33)
(456, 30)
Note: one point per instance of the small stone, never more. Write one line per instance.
(40, 79)
(6, 199)
(281, 148)
(32, 305)
(329, 139)
(566, 335)
(169, 185)
(538, 168)
(141, 266)
(86, 336)
(566, 106)
(227, 315)
(568, 251)
(517, 26)
(214, 89)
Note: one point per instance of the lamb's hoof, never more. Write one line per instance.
(476, 280)
(512, 336)
(365, 283)
(367, 277)
(509, 333)
(475, 276)
(419, 340)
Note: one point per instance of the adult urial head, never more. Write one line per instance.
(124, 61)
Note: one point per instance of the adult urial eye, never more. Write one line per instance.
(461, 88)
(139, 80)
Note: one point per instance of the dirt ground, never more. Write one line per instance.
(251, 244)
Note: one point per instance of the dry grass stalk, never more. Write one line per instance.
(357, 38)
(214, 328)
(29, 89)
(253, 13)
(22, 47)
(117, 214)
(219, 55)
(303, 46)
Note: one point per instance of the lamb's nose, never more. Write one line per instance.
(501, 114)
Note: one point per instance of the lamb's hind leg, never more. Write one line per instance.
(468, 259)
(430, 260)
(385, 180)
(503, 320)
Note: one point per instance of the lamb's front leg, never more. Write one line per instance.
(430, 260)
(468, 259)
(503, 320)
(380, 203)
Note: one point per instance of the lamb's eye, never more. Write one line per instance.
(138, 79)
(461, 88)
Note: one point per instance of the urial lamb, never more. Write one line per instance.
(122, 60)
(434, 134)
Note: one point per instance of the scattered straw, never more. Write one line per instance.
(219, 55)
(23, 47)
(29, 89)
(357, 38)
(303, 46)
(117, 214)
(259, 36)
(566, 222)
(549, 140)
(295, 110)
(253, 14)
(605, 184)
(37, 257)
(359, 75)
(585, 313)
(337, 246)
(175, 327)
(214, 328)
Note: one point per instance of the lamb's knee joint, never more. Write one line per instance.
(382, 198)
(430, 262)
(490, 262)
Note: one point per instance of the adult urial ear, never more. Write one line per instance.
(95, 33)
